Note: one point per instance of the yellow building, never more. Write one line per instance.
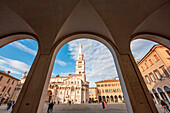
(109, 90)
(155, 70)
(93, 94)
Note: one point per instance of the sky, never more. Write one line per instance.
(18, 57)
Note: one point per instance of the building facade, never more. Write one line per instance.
(7, 86)
(155, 70)
(109, 90)
(93, 94)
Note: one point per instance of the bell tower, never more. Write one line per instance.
(80, 63)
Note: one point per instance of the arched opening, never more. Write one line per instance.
(17, 55)
(156, 95)
(151, 59)
(114, 87)
(167, 90)
(120, 97)
(111, 97)
(162, 94)
(110, 46)
(116, 98)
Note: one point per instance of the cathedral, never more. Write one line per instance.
(73, 87)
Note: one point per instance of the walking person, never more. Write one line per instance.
(50, 107)
(8, 105)
(103, 105)
(165, 106)
(13, 103)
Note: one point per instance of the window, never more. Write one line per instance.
(147, 79)
(152, 77)
(12, 82)
(164, 71)
(150, 61)
(114, 90)
(156, 58)
(117, 84)
(105, 84)
(142, 68)
(109, 84)
(8, 80)
(1, 78)
(9, 89)
(79, 66)
(110, 90)
(102, 91)
(98, 85)
(77, 92)
(157, 74)
(112, 84)
(118, 90)
(106, 90)
(72, 88)
(168, 51)
(3, 88)
(79, 62)
(146, 65)
(102, 85)
(98, 91)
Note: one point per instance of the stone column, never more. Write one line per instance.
(85, 95)
(32, 96)
(135, 91)
(155, 98)
(160, 96)
(167, 96)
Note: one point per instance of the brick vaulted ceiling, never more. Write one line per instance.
(117, 20)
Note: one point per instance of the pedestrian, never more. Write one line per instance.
(103, 105)
(58, 102)
(13, 103)
(50, 107)
(8, 105)
(165, 106)
(69, 102)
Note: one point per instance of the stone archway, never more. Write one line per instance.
(162, 95)
(111, 98)
(116, 98)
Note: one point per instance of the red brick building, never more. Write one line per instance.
(7, 86)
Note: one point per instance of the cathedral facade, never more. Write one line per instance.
(73, 87)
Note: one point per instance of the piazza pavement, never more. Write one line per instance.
(84, 108)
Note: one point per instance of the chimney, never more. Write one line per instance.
(8, 72)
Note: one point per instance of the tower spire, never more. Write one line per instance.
(80, 49)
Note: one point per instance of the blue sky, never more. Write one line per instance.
(18, 57)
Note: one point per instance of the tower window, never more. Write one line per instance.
(156, 58)
(8, 80)
(79, 66)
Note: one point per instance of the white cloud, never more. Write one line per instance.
(98, 59)
(140, 47)
(15, 66)
(23, 48)
(62, 63)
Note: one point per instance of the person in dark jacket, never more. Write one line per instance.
(50, 107)
(8, 105)
(103, 105)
